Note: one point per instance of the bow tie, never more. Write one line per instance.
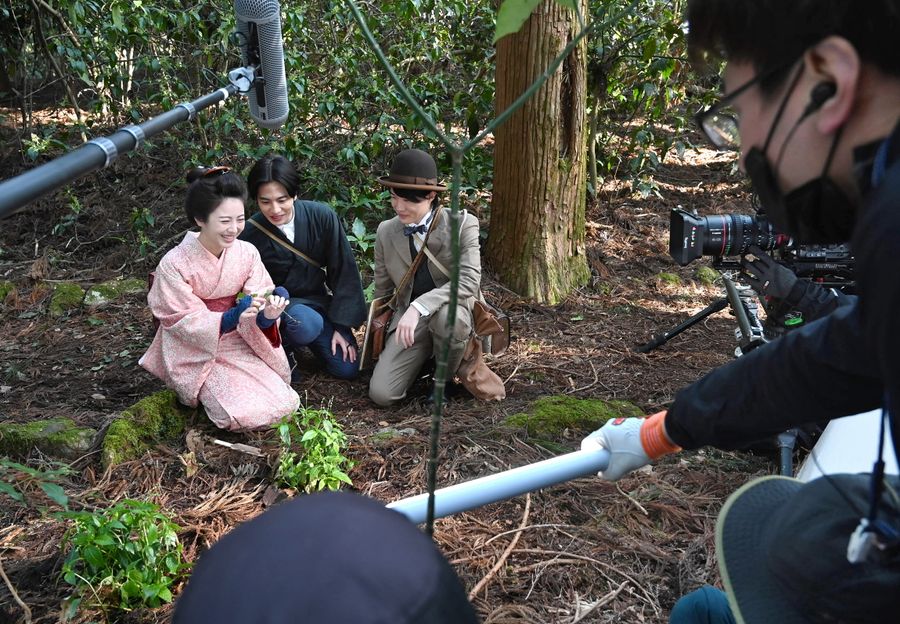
(409, 230)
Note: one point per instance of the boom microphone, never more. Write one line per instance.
(259, 25)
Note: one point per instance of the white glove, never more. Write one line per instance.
(622, 438)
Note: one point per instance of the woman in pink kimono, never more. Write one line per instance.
(209, 349)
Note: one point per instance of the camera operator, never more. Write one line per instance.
(816, 86)
(785, 291)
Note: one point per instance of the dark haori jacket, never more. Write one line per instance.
(335, 288)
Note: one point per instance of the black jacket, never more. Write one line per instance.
(843, 364)
(336, 290)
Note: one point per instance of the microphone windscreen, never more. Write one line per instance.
(259, 23)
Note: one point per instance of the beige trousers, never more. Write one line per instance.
(396, 368)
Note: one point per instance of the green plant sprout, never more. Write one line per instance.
(321, 463)
(123, 557)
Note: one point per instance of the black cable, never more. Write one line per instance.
(827, 477)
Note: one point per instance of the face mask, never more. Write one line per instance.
(818, 212)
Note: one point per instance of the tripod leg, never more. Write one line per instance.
(786, 442)
(661, 339)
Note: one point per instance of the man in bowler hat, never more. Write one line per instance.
(418, 329)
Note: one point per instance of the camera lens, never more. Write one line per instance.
(692, 236)
(733, 235)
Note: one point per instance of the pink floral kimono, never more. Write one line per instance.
(241, 377)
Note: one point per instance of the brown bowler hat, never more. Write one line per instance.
(413, 169)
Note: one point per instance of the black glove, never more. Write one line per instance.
(231, 317)
(815, 301)
(767, 277)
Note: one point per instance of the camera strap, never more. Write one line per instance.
(886, 536)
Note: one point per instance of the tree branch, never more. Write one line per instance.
(502, 560)
(40, 32)
(62, 22)
(15, 595)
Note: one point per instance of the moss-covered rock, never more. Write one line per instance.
(66, 296)
(156, 418)
(101, 294)
(550, 416)
(387, 435)
(669, 278)
(707, 275)
(6, 287)
(57, 437)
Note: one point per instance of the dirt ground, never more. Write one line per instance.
(584, 551)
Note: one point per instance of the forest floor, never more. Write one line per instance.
(588, 551)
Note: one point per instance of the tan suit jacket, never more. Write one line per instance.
(392, 260)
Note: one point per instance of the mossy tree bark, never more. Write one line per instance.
(536, 241)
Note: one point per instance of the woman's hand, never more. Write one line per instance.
(274, 306)
(256, 304)
(347, 349)
(406, 328)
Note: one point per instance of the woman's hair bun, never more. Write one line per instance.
(196, 173)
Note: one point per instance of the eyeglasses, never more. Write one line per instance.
(216, 171)
(719, 123)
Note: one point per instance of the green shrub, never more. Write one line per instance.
(123, 557)
(321, 463)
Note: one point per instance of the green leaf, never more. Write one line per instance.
(117, 18)
(56, 493)
(569, 4)
(150, 591)
(93, 557)
(309, 435)
(70, 607)
(130, 589)
(343, 476)
(10, 491)
(512, 15)
(358, 228)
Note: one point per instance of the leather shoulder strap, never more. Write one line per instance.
(416, 261)
(434, 261)
(284, 244)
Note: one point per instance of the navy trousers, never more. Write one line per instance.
(305, 326)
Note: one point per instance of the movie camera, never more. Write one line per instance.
(720, 236)
(727, 237)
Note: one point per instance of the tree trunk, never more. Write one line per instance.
(536, 241)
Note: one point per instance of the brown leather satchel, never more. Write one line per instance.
(493, 323)
(380, 326)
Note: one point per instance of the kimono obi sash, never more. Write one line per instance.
(220, 304)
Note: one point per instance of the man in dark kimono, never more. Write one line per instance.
(304, 248)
